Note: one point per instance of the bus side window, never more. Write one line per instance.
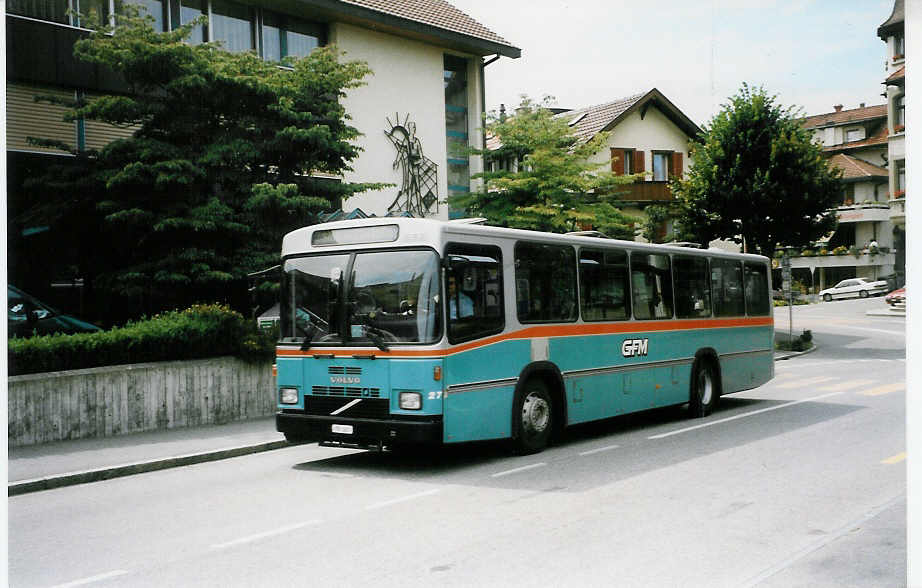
(757, 297)
(474, 291)
(651, 284)
(545, 277)
(692, 290)
(727, 285)
(603, 282)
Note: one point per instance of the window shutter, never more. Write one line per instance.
(676, 164)
(617, 161)
(638, 162)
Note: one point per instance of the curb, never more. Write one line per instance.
(85, 477)
(791, 354)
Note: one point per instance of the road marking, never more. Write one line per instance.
(91, 579)
(402, 499)
(258, 536)
(804, 382)
(895, 459)
(517, 470)
(744, 415)
(885, 389)
(843, 386)
(600, 449)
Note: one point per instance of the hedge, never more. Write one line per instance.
(197, 332)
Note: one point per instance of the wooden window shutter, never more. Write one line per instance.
(617, 161)
(638, 162)
(676, 164)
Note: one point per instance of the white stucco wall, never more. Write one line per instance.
(655, 132)
(407, 79)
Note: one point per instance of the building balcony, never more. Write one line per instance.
(898, 210)
(863, 212)
(645, 192)
(845, 260)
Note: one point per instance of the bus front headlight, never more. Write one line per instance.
(411, 400)
(288, 395)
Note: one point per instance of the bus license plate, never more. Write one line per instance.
(343, 429)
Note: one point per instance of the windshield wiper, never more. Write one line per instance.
(309, 338)
(372, 333)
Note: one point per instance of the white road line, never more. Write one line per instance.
(804, 382)
(740, 416)
(843, 386)
(258, 536)
(91, 579)
(600, 449)
(402, 499)
(517, 470)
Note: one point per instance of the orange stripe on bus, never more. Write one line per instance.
(546, 331)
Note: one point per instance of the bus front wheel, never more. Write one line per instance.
(704, 392)
(534, 417)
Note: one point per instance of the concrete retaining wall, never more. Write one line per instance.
(115, 400)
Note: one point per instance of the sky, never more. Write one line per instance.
(812, 54)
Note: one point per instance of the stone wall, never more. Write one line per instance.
(116, 400)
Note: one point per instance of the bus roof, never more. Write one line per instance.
(348, 235)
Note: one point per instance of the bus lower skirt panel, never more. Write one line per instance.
(364, 433)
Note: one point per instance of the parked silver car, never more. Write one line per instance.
(852, 287)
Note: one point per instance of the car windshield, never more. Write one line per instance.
(388, 297)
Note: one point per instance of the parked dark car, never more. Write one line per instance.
(27, 316)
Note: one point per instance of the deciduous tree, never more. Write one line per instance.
(757, 176)
(554, 186)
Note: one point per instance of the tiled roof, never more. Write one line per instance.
(845, 116)
(878, 138)
(436, 13)
(593, 119)
(895, 22)
(897, 75)
(854, 168)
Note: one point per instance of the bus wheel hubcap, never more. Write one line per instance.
(535, 413)
(704, 387)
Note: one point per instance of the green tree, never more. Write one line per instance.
(757, 175)
(555, 187)
(656, 216)
(229, 152)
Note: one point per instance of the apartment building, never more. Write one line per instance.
(892, 32)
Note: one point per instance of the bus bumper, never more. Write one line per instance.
(364, 432)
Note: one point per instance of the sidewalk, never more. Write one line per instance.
(52, 465)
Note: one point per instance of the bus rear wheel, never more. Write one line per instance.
(534, 418)
(704, 392)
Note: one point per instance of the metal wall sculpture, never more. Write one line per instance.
(419, 191)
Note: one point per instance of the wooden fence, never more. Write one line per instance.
(115, 400)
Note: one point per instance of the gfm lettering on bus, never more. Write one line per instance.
(635, 347)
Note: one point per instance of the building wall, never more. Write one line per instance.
(407, 79)
(654, 132)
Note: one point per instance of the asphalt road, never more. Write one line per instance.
(798, 483)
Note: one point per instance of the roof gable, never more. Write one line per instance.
(845, 116)
(856, 169)
(588, 122)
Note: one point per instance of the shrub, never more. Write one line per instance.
(801, 343)
(203, 330)
(840, 250)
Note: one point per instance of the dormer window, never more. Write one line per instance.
(854, 135)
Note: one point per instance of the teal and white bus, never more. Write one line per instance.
(397, 331)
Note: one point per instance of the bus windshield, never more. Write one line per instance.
(371, 298)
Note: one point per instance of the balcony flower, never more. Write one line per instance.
(899, 128)
(898, 56)
(899, 194)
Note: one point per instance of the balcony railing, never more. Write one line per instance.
(645, 192)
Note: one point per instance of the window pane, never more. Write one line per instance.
(758, 302)
(287, 36)
(545, 283)
(310, 298)
(692, 290)
(455, 81)
(150, 8)
(92, 13)
(651, 284)
(188, 11)
(49, 10)
(603, 285)
(272, 42)
(474, 291)
(231, 25)
(660, 164)
(727, 287)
